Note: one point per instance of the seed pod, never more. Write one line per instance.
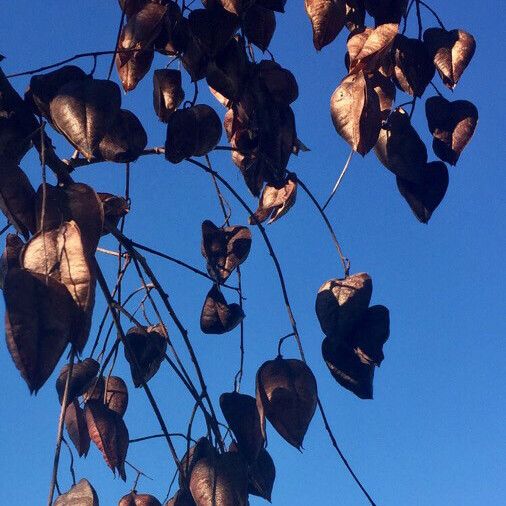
(218, 317)
(183, 497)
(279, 82)
(341, 303)
(237, 7)
(355, 15)
(241, 413)
(175, 31)
(274, 5)
(10, 256)
(82, 494)
(222, 480)
(201, 449)
(83, 374)
(109, 433)
(452, 125)
(400, 149)
(75, 423)
(451, 52)
(347, 368)
(135, 68)
(286, 394)
(131, 7)
(114, 208)
(135, 499)
(262, 476)
(259, 26)
(167, 92)
(112, 391)
(145, 351)
(386, 11)
(327, 19)
(192, 132)
(125, 140)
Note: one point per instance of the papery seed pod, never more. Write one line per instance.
(112, 391)
(341, 303)
(131, 7)
(75, 423)
(183, 497)
(114, 207)
(400, 149)
(327, 19)
(451, 52)
(286, 393)
(145, 351)
(222, 480)
(262, 475)
(83, 374)
(109, 433)
(237, 7)
(125, 141)
(218, 317)
(175, 31)
(81, 494)
(347, 368)
(200, 450)
(259, 26)
(279, 82)
(44, 87)
(413, 66)
(386, 11)
(135, 68)
(452, 124)
(168, 93)
(10, 256)
(355, 15)
(192, 132)
(195, 59)
(425, 197)
(241, 413)
(38, 321)
(274, 5)
(136, 499)
(83, 111)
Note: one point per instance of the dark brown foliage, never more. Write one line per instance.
(83, 374)
(259, 26)
(327, 19)
(200, 450)
(167, 92)
(75, 423)
(218, 317)
(136, 499)
(112, 391)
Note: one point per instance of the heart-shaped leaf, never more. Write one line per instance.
(83, 374)
(136, 499)
(217, 316)
(82, 494)
(168, 92)
(286, 394)
(75, 423)
(327, 19)
(112, 391)
(259, 26)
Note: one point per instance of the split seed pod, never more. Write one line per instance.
(83, 374)
(327, 19)
(135, 499)
(75, 423)
(112, 391)
(286, 393)
(82, 494)
(168, 92)
(218, 317)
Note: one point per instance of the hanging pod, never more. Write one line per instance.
(136, 499)
(83, 374)
(82, 494)
(112, 391)
(218, 317)
(168, 92)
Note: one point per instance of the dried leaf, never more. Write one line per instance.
(274, 5)
(386, 11)
(175, 31)
(135, 68)
(112, 391)
(262, 476)
(327, 19)
(201, 449)
(279, 82)
(75, 423)
(218, 317)
(275, 201)
(136, 499)
(114, 208)
(131, 7)
(10, 256)
(385, 90)
(355, 14)
(286, 394)
(83, 374)
(109, 433)
(452, 125)
(259, 26)
(82, 494)
(237, 7)
(425, 197)
(168, 92)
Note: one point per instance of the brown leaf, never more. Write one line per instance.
(425, 197)
(259, 26)
(218, 317)
(136, 499)
(17, 197)
(114, 208)
(168, 92)
(451, 52)
(83, 374)
(452, 125)
(386, 11)
(175, 31)
(38, 320)
(341, 303)
(275, 201)
(327, 19)
(273, 5)
(201, 449)
(355, 14)
(222, 480)
(400, 149)
(10, 256)
(135, 68)
(385, 90)
(109, 433)
(262, 476)
(355, 111)
(82, 494)
(224, 248)
(83, 111)
(112, 391)
(75, 423)
(241, 413)
(237, 7)
(286, 394)
(145, 351)
(279, 82)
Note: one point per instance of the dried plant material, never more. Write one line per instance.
(275, 201)
(135, 68)
(451, 52)
(355, 15)
(10, 256)
(114, 208)
(222, 480)
(38, 322)
(83, 374)
(286, 395)
(145, 351)
(81, 494)
(452, 125)
(273, 5)
(400, 149)
(192, 132)
(386, 92)
(237, 7)
(44, 87)
(241, 413)
(112, 391)
(218, 317)
(125, 141)
(327, 19)
(200, 450)
(183, 497)
(425, 197)
(355, 111)
(413, 66)
(83, 111)
(279, 82)
(195, 59)
(259, 26)
(347, 368)
(224, 248)
(75, 423)
(386, 11)
(109, 433)
(168, 92)
(175, 32)
(341, 303)
(262, 476)
(136, 499)
(17, 198)
(371, 333)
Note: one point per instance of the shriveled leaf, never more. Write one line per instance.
(175, 32)
(259, 26)
(136, 499)
(327, 19)
(112, 391)
(75, 423)
(286, 394)
(237, 7)
(81, 494)
(83, 374)
(273, 5)
(218, 317)
(168, 92)
(131, 7)
(385, 90)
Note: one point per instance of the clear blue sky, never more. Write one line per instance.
(435, 433)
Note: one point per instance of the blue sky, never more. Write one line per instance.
(435, 432)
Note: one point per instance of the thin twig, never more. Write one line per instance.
(71, 466)
(339, 179)
(156, 436)
(282, 339)
(431, 10)
(9, 225)
(118, 36)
